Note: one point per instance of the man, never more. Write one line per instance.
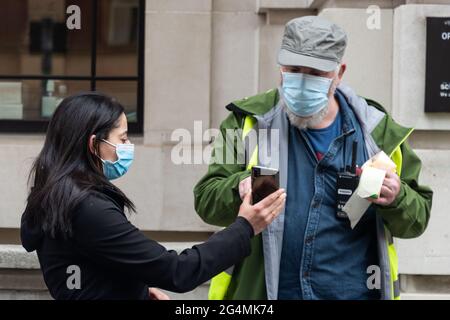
(310, 251)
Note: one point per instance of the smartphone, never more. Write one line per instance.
(264, 182)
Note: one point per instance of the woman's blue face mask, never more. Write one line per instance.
(304, 94)
(125, 156)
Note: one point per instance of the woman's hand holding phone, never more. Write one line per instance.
(264, 212)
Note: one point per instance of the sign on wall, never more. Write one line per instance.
(437, 79)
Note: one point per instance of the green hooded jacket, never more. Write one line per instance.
(217, 199)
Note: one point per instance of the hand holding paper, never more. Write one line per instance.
(370, 182)
(389, 190)
(378, 184)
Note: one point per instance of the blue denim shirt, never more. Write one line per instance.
(322, 257)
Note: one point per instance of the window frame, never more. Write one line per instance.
(40, 126)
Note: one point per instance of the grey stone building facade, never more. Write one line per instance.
(202, 54)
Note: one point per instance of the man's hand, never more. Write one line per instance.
(389, 190)
(245, 186)
(156, 294)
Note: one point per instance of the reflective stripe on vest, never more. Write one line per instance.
(397, 157)
(220, 283)
(249, 124)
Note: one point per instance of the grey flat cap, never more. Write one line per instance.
(312, 42)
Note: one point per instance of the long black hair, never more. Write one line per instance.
(66, 172)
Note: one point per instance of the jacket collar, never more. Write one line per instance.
(256, 105)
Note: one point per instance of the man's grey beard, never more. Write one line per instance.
(308, 122)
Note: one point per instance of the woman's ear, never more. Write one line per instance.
(91, 144)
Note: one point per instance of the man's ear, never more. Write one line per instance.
(280, 79)
(91, 144)
(342, 70)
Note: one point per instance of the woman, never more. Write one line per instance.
(75, 217)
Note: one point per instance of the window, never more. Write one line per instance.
(42, 60)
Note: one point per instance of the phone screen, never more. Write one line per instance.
(264, 182)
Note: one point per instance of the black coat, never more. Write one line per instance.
(117, 261)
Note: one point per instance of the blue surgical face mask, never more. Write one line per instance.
(304, 94)
(125, 156)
